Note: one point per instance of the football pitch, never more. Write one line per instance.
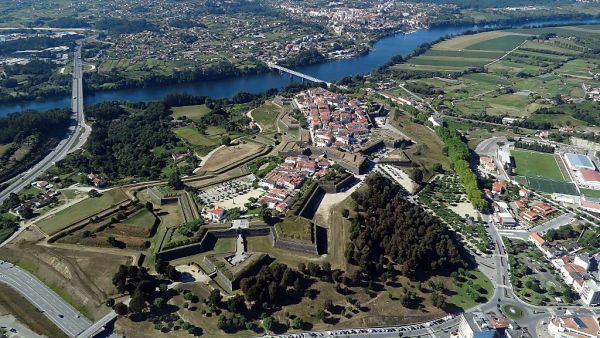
(536, 164)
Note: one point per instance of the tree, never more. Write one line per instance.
(137, 304)
(226, 140)
(26, 212)
(438, 300)
(297, 323)
(172, 273)
(417, 175)
(158, 303)
(93, 193)
(214, 298)
(268, 323)
(149, 206)
(120, 309)
(110, 302)
(112, 241)
(175, 181)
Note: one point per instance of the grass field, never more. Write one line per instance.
(13, 303)
(229, 155)
(467, 41)
(550, 186)
(534, 164)
(266, 116)
(4, 148)
(192, 112)
(460, 297)
(586, 192)
(501, 43)
(224, 245)
(142, 218)
(80, 211)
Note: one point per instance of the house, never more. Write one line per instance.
(216, 215)
(520, 204)
(536, 239)
(544, 209)
(569, 271)
(436, 121)
(529, 215)
(96, 180)
(499, 187)
(524, 192)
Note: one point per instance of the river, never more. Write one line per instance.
(382, 52)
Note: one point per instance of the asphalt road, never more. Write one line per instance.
(63, 315)
(76, 136)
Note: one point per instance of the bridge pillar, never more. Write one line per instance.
(302, 80)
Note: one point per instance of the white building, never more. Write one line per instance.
(579, 161)
(436, 120)
(590, 292)
(573, 325)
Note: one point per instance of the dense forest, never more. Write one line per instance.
(304, 58)
(122, 145)
(388, 225)
(50, 123)
(459, 155)
(32, 133)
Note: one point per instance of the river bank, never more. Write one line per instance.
(331, 71)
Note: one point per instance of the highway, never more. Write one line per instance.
(63, 315)
(76, 136)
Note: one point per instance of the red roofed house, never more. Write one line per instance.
(217, 214)
(498, 187)
(544, 209)
(529, 215)
(523, 192)
(537, 239)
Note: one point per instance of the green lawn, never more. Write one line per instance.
(503, 43)
(461, 298)
(4, 148)
(586, 192)
(192, 112)
(80, 211)
(224, 245)
(530, 163)
(266, 116)
(142, 218)
(193, 136)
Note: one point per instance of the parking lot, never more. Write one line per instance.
(226, 190)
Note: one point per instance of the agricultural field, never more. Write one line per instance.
(193, 113)
(80, 211)
(535, 164)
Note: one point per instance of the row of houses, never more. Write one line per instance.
(579, 271)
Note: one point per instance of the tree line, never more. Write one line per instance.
(459, 154)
